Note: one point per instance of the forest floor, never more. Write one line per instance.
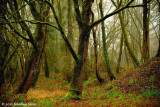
(139, 87)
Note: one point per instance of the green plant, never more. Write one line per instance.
(113, 93)
(84, 94)
(21, 99)
(131, 81)
(45, 102)
(152, 93)
(88, 82)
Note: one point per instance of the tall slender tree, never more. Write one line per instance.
(105, 48)
(146, 14)
(3, 43)
(158, 53)
(96, 52)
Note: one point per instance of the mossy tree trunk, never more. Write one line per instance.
(96, 52)
(105, 52)
(4, 48)
(37, 54)
(75, 91)
(120, 54)
(69, 36)
(46, 33)
(124, 33)
(146, 14)
(3, 43)
(83, 20)
(133, 56)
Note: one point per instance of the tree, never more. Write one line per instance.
(146, 14)
(105, 52)
(36, 41)
(120, 54)
(4, 45)
(122, 22)
(37, 53)
(83, 20)
(96, 52)
(158, 53)
(69, 35)
(46, 66)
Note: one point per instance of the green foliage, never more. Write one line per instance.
(84, 94)
(114, 93)
(21, 99)
(71, 95)
(88, 82)
(132, 80)
(45, 102)
(152, 93)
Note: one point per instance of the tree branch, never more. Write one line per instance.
(34, 11)
(62, 33)
(140, 5)
(23, 24)
(20, 35)
(115, 12)
(78, 14)
(32, 22)
(19, 9)
(110, 14)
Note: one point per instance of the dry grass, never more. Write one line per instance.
(43, 93)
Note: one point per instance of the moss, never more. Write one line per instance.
(73, 94)
(131, 81)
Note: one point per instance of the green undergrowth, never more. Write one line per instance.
(136, 88)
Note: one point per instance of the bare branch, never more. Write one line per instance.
(32, 22)
(110, 14)
(62, 33)
(116, 11)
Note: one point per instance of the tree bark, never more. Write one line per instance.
(4, 45)
(133, 56)
(109, 71)
(96, 52)
(158, 53)
(75, 91)
(69, 35)
(46, 69)
(37, 54)
(146, 14)
(120, 54)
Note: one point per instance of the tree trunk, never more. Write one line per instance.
(109, 71)
(133, 56)
(4, 46)
(96, 57)
(96, 52)
(158, 53)
(46, 32)
(36, 77)
(78, 72)
(120, 54)
(46, 69)
(75, 91)
(59, 12)
(34, 64)
(23, 86)
(69, 36)
(145, 31)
